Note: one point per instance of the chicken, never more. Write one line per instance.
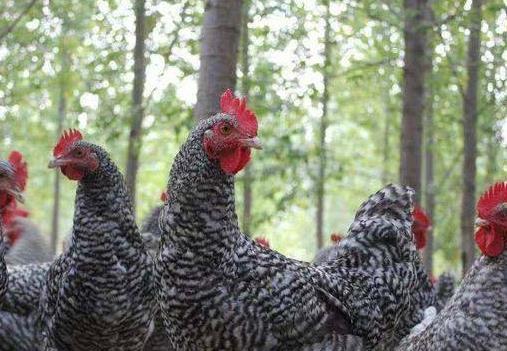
(262, 241)
(475, 318)
(17, 333)
(327, 253)
(11, 186)
(25, 287)
(30, 247)
(444, 289)
(150, 231)
(219, 290)
(25, 243)
(99, 294)
(420, 227)
(150, 224)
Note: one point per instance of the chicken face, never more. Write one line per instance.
(491, 235)
(10, 188)
(231, 139)
(75, 159)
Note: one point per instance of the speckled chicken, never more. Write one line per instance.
(328, 253)
(99, 294)
(17, 333)
(11, 185)
(475, 318)
(24, 241)
(219, 290)
(444, 289)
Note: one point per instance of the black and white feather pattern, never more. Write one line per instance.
(475, 318)
(218, 290)
(99, 293)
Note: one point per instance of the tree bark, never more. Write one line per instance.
(135, 136)
(62, 112)
(429, 188)
(413, 94)
(386, 149)
(429, 173)
(245, 90)
(219, 53)
(470, 137)
(321, 177)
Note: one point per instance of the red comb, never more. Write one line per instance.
(164, 196)
(20, 168)
(262, 241)
(490, 203)
(68, 138)
(336, 238)
(237, 107)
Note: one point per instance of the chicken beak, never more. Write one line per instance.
(479, 222)
(254, 143)
(57, 162)
(17, 194)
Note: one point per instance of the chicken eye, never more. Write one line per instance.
(226, 129)
(78, 153)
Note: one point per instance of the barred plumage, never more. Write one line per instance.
(31, 247)
(475, 318)
(25, 286)
(444, 289)
(17, 333)
(220, 291)
(99, 294)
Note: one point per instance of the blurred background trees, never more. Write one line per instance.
(344, 91)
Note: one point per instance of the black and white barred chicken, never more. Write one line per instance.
(444, 289)
(328, 253)
(25, 242)
(12, 183)
(99, 294)
(219, 290)
(475, 318)
(18, 333)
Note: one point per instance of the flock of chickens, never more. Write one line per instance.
(190, 280)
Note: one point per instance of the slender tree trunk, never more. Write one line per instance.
(429, 178)
(386, 149)
(492, 147)
(135, 136)
(413, 94)
(321, 177)
(62, 112)
(429, 181)
(219, 53)
(245, 87)
(470, 137)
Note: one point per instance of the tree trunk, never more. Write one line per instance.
(429, 188)
(413, 94)
(429, 181)
(245, 87)
(219, 53)
(386, 149)
(62, 112)
(321, 177)
(134, 146)
(470, 138)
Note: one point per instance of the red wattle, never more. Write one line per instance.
(420, 240)
(490, 242)
(235, 161)
(72, 173)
